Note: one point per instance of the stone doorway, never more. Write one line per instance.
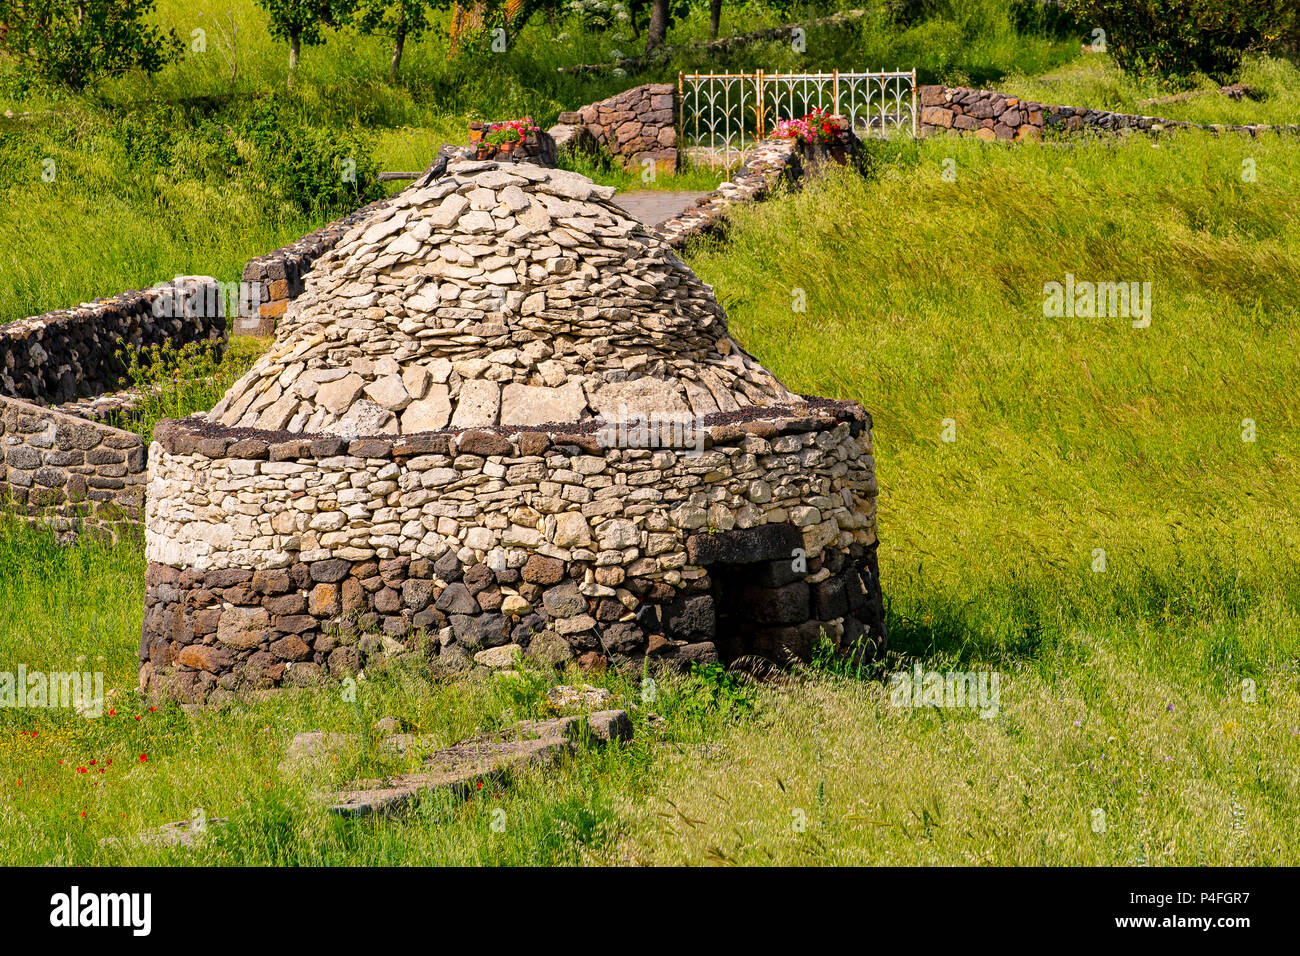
(769, 599)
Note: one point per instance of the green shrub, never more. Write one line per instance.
(318, 170)
(76, 44)
(1175, 39)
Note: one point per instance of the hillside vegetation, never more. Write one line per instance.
(188, 172)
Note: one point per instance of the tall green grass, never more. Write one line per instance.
(1159, 688)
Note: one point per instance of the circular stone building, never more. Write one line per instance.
(502, 413)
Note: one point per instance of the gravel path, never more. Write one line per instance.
(653, 206)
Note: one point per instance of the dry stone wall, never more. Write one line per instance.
(73, 353)
(278, 558)
(636, 125)
(70, 472)
(990, 115)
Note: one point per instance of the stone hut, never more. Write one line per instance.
(503, 419)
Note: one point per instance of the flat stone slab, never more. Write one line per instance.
(458, 767)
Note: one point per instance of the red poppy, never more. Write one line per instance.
(93, 762)
(112, 712)
(144, 758)
(81, 770)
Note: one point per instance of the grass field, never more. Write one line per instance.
(1148, 712)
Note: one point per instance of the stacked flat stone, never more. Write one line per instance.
(74, 353)
(989, 115)
(500, 295)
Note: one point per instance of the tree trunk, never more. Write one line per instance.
(399, 42)
(295, 46)
(658, 29)
(715, 18)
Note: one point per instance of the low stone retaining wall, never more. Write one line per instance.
(73, 353)
(69, 472)
(636, 125)
(275, 279)
(277, 558)
(770, 162)
(990, 115)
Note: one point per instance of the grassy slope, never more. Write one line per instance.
(1072, 435)
(1095, 81)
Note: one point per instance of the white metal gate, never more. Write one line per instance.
(724, 114)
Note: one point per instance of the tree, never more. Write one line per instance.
(77, 43)
(399, 20)
(715, 18)
(658, 29)
(301, 21)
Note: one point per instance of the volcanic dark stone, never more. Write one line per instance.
(691, 619)
(456, 599)
(448, 567)
(744, 545)
(330, 571)
(564, 600)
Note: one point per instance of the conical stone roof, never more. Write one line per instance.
(498, 295)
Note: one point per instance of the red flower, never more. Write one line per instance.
(93, 762)
(112, 712)
(152, 709)
(144, 758)
(137, 716)
(479, 785)
(81, 770)
(83, 813)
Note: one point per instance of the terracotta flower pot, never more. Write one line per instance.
(509, 147)
(485, 151)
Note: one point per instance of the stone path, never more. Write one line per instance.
(653, 206)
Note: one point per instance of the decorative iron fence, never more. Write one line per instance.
(725, 114)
